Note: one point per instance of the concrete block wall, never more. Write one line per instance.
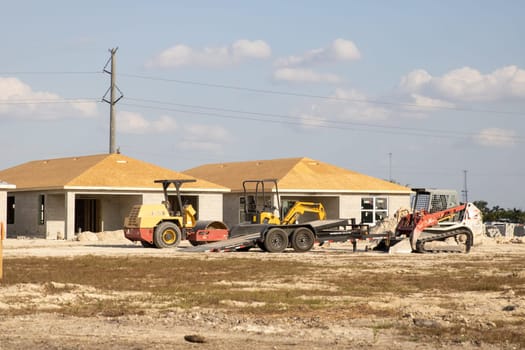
(114, 208)
(210, 207)
(55, 216)
(231, 208)
(26, 216)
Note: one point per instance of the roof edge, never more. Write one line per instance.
(156, 189)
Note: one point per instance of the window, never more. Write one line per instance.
(373, 209)
(10, 210)
(41, 209)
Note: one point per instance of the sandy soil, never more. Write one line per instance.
(45, 329)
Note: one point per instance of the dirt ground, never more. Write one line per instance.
(411, 322)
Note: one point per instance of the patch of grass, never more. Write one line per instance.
(460, 334)
(189, 282)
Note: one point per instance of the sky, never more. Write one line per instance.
(423, 93)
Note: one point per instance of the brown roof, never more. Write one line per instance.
(294, 174)
(96, 171)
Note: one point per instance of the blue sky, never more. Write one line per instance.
(416, 91)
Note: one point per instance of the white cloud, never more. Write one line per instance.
(182, 55)
(194, 137)
(427, 102)
(312, 121)
(135, 123)
(414, 80)
(339, 50)
(251, 49)
(305, 75)
(19, 100)
(346, 106)
(467, 84)
(207, 138)
(345, 50)
(496, 137)
(354, 105)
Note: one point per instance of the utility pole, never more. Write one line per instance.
(465, 190)
(112, 99)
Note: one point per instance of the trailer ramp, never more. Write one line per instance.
(226, 245)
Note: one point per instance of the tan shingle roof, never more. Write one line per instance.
(103, 170)
(294, 174)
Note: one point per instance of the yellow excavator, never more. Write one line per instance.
(270, 214)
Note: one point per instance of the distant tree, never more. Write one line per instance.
(496, 213)
(483, 206)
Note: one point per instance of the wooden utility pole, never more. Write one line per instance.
(112, 99)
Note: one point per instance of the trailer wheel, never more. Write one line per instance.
(166, 235)
(147, 244)
(261, 246)
(302, 239)
(276, 240)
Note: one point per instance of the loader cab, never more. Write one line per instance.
(258, 205)
(433, 200)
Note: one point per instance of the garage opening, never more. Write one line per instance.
(87, 215)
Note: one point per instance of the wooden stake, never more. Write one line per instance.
(1, 250)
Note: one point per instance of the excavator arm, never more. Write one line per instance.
(299, 208)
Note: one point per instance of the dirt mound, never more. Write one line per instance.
(105, 236)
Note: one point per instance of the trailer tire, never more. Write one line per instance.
(147, 244)
(261, 246)
(167, 235)
(276, 240)
(302, 239)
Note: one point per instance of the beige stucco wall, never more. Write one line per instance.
(152, 198)
(350, 205)
(397, 201)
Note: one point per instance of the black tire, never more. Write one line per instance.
(147, 244)
(244, 249)
(276, 240)
(167, 235)
(261, 246)
(303, 240)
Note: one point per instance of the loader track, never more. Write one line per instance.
(463, 238)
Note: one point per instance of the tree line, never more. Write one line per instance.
(497, 213)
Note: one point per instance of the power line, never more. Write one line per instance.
(301, 120)
(290, 120)
(335, 98)
(49, 101)
(417, 108)
(49, 72)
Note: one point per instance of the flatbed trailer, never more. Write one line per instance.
(301, 237)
